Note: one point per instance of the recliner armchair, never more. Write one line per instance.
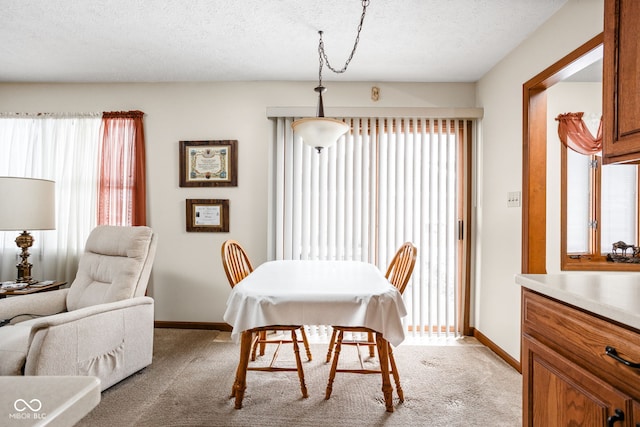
(102, 325)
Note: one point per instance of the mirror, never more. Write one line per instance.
(573, 178)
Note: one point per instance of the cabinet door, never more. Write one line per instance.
(636, 414)
(556, 392)
(621, 82)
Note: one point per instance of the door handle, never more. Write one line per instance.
(618, 416)
(611, 352)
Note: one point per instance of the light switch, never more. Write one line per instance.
(513, 199)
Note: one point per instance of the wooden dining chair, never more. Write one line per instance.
(237, 266)
(398, 273)
(235, 261)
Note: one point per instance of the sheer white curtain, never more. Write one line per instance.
(385, 182)
(62, 148)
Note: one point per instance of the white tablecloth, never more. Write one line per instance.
(344, 293)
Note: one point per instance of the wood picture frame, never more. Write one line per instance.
(209, 163)
(207, 215)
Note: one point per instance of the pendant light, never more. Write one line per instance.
(320, 132)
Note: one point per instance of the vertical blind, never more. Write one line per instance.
(385, 182)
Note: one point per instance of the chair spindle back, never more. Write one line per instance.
(236, 263)
(401, 266)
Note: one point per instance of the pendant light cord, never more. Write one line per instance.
(323, 55)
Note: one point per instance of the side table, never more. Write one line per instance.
(31, 289)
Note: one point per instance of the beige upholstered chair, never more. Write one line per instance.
(237, 266)
(398, 273)
(102, 325)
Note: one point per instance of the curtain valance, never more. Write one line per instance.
(574, 134)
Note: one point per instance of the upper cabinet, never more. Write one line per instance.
(621, 82)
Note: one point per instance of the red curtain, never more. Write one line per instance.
(122, 192)
(574, 134)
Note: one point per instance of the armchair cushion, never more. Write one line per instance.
(113, 262)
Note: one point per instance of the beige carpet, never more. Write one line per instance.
(192, 373)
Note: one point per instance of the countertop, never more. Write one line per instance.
(614, 296)
(47, 400)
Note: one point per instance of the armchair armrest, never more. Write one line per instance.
(82, 313)
(43, 304)
(110, 341)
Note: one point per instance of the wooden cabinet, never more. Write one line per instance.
(568, 378)
(636, 414)
(621, 82)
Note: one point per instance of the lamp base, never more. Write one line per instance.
(24, 241)
(24, 273)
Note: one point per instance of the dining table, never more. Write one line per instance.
(315, 292)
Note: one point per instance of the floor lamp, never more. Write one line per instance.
(28, 204)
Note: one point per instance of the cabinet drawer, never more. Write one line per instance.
(582, 338)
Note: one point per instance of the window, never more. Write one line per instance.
(600, 206)
(386, 182)
(97, 163)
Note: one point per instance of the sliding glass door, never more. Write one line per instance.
(385, 182)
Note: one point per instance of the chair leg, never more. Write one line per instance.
(305, 341)
(372, 348)
(383, 356)
(396, 374)
(296, 351)
(263, 344)
(254, 346)
(240, 384)
(360, 357)
(332, 342)
(275, 355)
(334, 365)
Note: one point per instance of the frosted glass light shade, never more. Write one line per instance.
(27, 204)
(319, 132)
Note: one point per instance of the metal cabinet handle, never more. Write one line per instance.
(610, 351)
(618, 416)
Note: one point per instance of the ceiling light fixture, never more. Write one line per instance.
(320, 132)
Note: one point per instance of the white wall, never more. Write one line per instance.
(499, 229)
(188, 282)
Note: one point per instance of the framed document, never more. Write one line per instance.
(209, 163)
(208, 215)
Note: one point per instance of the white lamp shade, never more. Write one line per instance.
(27, 204)
(319, 132)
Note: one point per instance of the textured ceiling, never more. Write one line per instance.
(247, 40)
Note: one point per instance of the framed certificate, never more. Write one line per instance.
(207, 215)
(209, 163)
